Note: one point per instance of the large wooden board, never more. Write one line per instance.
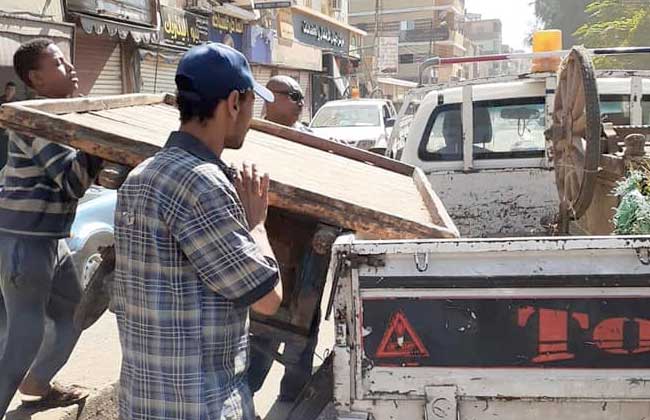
(326, 181)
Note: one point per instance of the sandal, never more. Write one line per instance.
(57, 396)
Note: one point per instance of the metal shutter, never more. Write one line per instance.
(98, 61)
(157, 81)
(262, 74)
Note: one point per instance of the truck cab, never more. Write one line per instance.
(507, 171)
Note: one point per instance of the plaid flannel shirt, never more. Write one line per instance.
(187, 270)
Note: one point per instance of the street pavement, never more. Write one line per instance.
(95, 364)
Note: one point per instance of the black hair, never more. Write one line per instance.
(10, 84)
(191, 107)
(27, 56)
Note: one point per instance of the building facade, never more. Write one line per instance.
(487, 35)
(410, 33)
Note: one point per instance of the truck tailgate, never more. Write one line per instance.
(504, 329)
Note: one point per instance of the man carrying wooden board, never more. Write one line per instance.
(41, 186)
(192, 253)
(298, 355)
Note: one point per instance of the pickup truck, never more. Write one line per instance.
(489, 327)
(507, 175)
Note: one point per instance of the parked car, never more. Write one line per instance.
(363, 123)
(92, 228)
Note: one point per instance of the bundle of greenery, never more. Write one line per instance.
(632, 216)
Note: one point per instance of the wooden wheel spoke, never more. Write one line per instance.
(580, 125)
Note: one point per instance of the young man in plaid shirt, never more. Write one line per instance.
(192, 254)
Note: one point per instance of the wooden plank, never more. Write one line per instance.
(437, 210)
(94, 103)
(102, 143)
(339, 185)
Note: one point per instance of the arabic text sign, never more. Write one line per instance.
(320, 34)
(182, 28)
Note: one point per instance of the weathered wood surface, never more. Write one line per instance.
(329, 182)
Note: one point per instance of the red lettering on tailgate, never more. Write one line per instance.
(553, 340)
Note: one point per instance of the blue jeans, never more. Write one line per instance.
(37, 281)
(306, 299)
(297, 371)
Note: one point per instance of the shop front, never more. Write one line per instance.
(179, 31)
(106, 40)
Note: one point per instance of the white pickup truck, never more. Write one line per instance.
(506, 176)
(499, 328)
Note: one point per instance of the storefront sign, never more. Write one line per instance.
(227, 23)
(182, 28)
(270, 4)
(320, 33)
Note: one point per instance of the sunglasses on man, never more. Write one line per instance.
(293, 95)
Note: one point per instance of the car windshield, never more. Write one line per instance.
(347, 116)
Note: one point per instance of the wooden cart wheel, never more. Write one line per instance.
(576, 135)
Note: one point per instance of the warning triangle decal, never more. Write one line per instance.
(400, 340)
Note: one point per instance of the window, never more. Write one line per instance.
(615, 109)
(407, 25)
(347, 116)
(406, 59)
(503, 129)
(645, 105)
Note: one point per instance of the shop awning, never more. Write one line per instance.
(396, 82)
(236, 12)
(99, 26)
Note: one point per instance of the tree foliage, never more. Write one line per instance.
(566, 15)
(618, 23)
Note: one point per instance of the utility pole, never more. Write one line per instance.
(376, 63)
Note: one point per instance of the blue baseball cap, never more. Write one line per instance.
(212, 71)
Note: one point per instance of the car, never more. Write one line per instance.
(363, 123)
(91, 230)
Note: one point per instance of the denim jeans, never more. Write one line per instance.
(306, 299)
(40, 291)
(297, 370)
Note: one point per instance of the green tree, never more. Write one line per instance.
(566, 15)
(618, 23)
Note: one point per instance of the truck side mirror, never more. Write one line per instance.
(389, 122)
